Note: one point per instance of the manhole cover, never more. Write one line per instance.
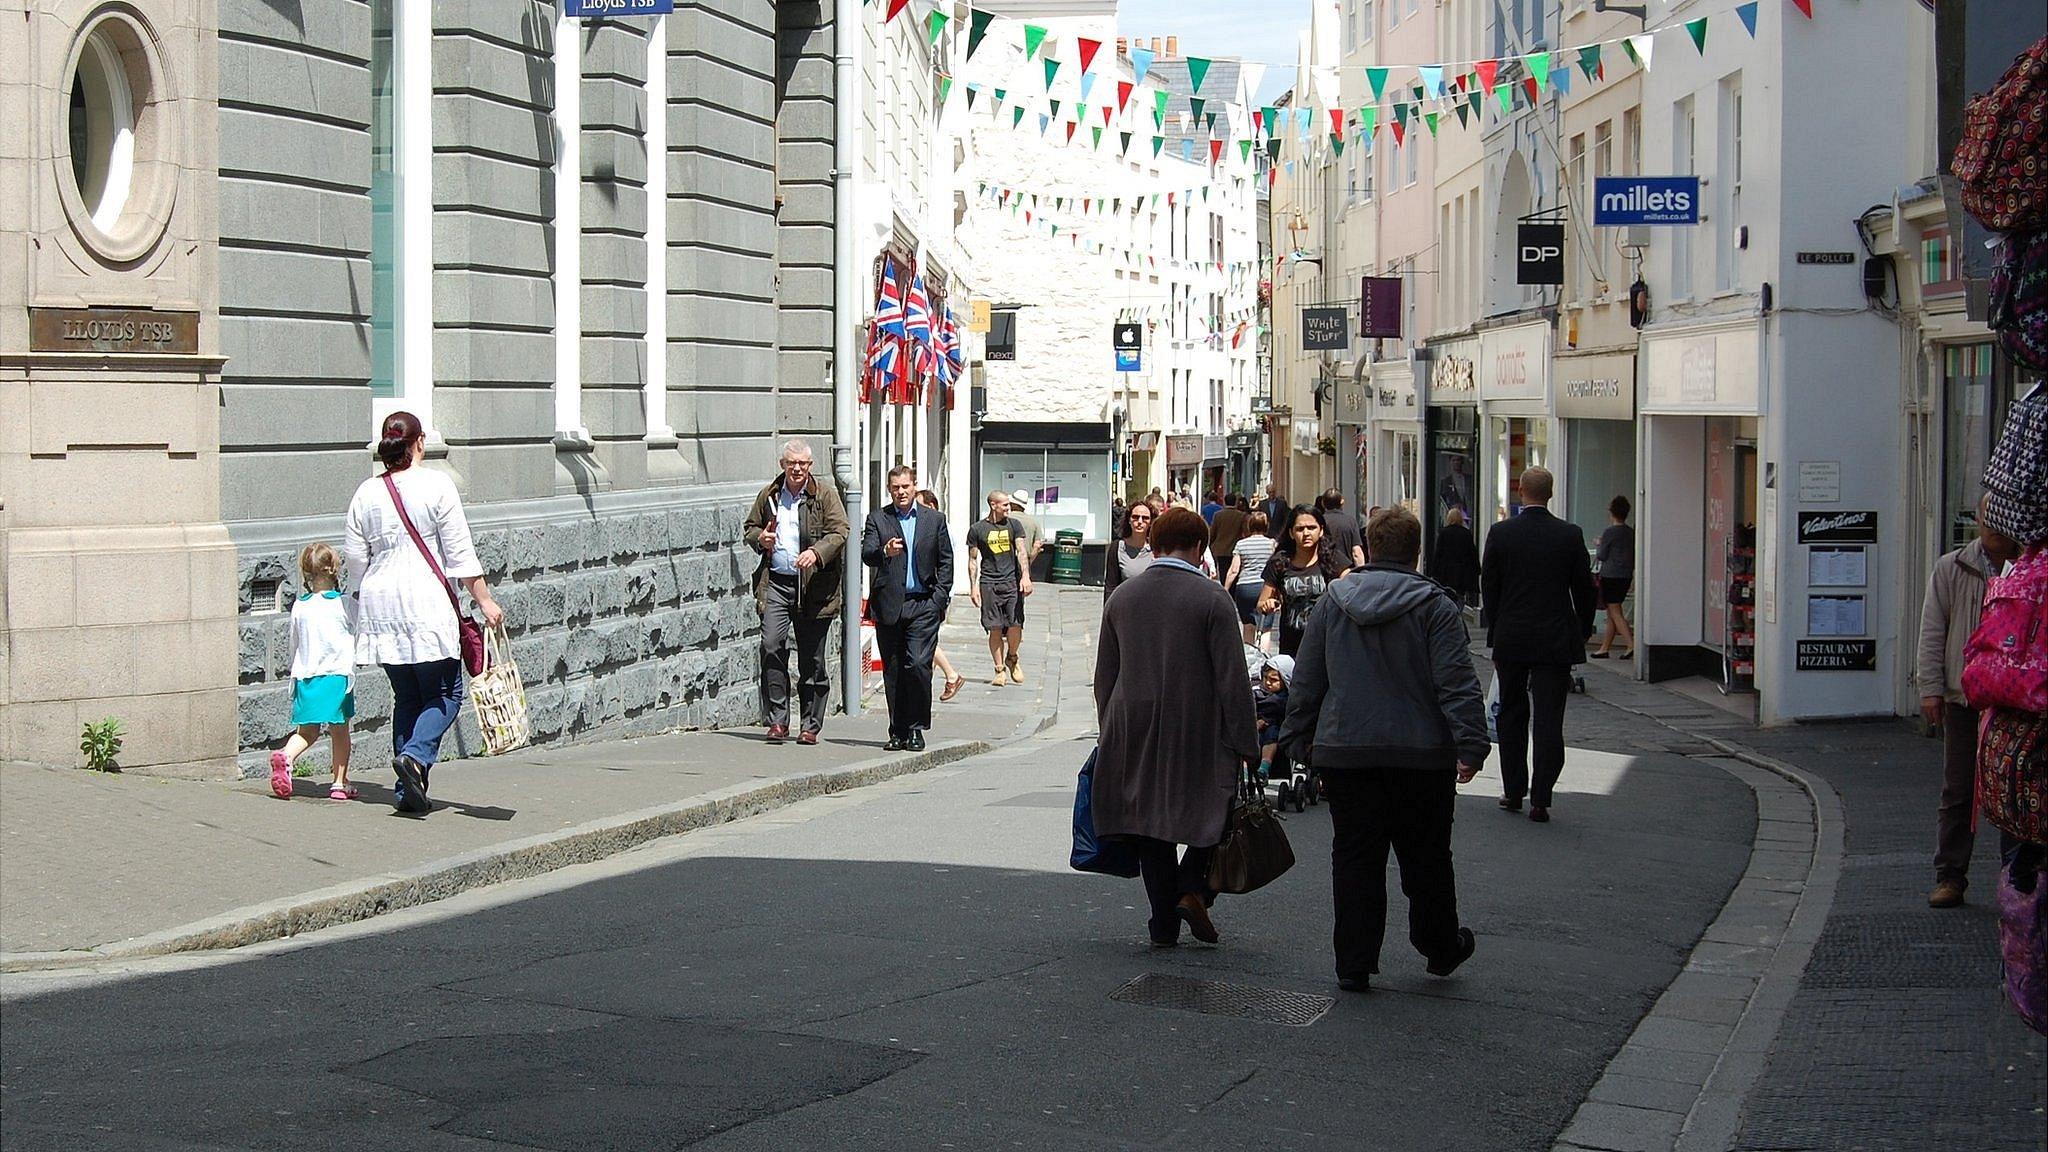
(1212, 998)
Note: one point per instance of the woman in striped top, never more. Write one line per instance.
(1248, 559)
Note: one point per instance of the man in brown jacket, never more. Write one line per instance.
(1955, 600)
(799, 527)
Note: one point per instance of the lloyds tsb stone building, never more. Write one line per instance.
(593, 255)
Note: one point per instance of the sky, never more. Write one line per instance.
(1253, 29)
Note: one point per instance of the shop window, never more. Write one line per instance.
(1968, 384)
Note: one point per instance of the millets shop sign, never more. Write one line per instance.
(1619, 201)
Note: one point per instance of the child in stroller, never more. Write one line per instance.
(1290, 783)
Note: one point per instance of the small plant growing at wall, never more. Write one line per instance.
(101, 743)
(1327, 445)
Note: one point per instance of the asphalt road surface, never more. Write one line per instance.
(906, 966)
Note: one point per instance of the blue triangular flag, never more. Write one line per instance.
(1748, 14)
(1187, 149)
(1561, 79)
(1141, 63)
(1301, 120)
(1432, 78)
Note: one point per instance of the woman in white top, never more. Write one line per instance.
(405, 615)
(1247, 576)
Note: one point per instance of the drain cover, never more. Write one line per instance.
(1212, 998)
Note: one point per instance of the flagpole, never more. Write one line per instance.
(846, 313)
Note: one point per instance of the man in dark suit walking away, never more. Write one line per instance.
(911, 551)
(1536, 588)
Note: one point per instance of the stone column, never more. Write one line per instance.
(117, 578)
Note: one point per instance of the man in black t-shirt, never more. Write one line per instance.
(999, 581)
(1346, 541)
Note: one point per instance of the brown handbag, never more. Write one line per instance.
(1254, 850)
(469, 632)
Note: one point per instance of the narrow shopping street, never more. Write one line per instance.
(912, 964)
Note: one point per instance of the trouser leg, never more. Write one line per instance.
(440, 702)
(921, 639)
(777, 631)
(1512, 728)
(405, 703)
(1358, 868)
(889, 639)
(1424, 806)
(1954, 838)
(1161, 874)
(814, 686)
(1549, 686)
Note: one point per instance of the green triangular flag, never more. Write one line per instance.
(945, 88)
(1477, 110)
(1244, 152)
(1126, 138)
(1401, 114)
(1158, 142)
(1378, 79)
(972, 92)
(1429, 118)
(1538, 64)
(1461, 109)
(1205, 193)
(935, 25)
(1159, 100)
(1273, 148)
(1698, 28)
(977, 28)
(1195, 104)
(1002, 94)
(1059, 202)
(1369, 120)
(1052, 68)
(1017, 117)
(1337, 142)
(1629, 46)
(1212, 121)
(1272, 119)
(1506, 93)
(1098, 136)
(1055, 108)
(1198, 70)
(1033, 37)
(1589, 60)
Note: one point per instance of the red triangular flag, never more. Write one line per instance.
(1070, 131)
(1088, 50)
(1805, 7)
(895, 6)
(1215, 151)
(1529, 85)
(1106, 114)
(1487, 70)
(1336, 121)
(1123, 93)
(1400, 137)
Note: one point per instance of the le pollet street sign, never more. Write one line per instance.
(1620, 201)
(1322, 330)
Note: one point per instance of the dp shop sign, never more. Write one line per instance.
(1619, 201)
(1539, 254)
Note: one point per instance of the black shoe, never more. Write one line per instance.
(914, 742)
(1355, 983)
(1511, 803)
(1467, 945)
(895, 744)
(412, 785)
(1538, 814)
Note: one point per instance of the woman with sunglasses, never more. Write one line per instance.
(1132, 554)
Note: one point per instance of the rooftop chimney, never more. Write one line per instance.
(1173, 46)
(1155, 45)
(1123, 46)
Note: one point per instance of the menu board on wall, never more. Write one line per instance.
(1837, 567)
(1836, 616)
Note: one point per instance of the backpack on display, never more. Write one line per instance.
(2019, 298)
(2016, 477)
(2005, 661)
(2002, 160)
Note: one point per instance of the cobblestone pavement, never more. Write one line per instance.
(1897, 1037)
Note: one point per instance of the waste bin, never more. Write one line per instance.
(1066, 557)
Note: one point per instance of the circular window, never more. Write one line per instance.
(119, 180)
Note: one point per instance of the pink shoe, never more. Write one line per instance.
(341, 792)
(280, 776)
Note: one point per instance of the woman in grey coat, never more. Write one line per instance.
(1175, 711)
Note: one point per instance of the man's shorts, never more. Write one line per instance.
(1002, 606)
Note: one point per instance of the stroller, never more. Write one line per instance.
(1286, 782)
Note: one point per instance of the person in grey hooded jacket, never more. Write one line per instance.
(1385, 704)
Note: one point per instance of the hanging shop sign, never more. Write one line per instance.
(1619, 201)
(1379, 308)
(977, 316)
(617, 7)
(1183, 451)
(1322, 330)
(1838, 527)
(1539, 256)
(1129, 341)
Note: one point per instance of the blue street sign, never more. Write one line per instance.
(1624, 200)
(1127, 359)
(617, 7)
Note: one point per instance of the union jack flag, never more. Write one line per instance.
(882, 358)
(889, 309)
(952, 358)
(918, 325)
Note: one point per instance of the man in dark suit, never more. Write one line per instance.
(1537, 594)
(1454, 562)
(911, 551)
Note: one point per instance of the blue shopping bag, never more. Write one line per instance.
(1090, 854)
